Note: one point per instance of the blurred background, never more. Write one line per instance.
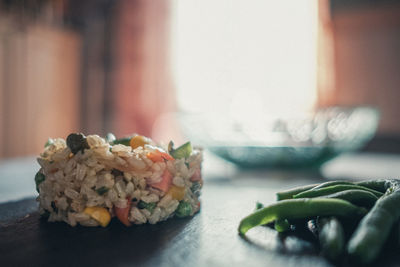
(127, 66)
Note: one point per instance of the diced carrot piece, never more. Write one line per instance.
(159, 156)
(123, 213)
(196, 176)
(165, 183)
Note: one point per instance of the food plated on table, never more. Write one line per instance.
(89, 180)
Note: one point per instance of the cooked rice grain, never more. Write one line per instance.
(110, 177)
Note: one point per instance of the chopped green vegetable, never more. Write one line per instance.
(122, 141)
(148, 206)
(49, 142)
(102, 190)
(184, 209)
(110, 137)
(181, 152)
(39, 178)
(77, 142)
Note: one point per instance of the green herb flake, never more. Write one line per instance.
(102, 190)
(39, 178)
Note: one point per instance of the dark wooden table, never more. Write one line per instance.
(208, 239)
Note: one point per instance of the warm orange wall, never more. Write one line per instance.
(367, 61)
(39, 84)
(141, 70)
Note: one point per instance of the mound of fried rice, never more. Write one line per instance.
(117, 180)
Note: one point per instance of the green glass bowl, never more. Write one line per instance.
(290, 142)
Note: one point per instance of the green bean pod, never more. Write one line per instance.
(355, 196)
(331, 183)
(378, 185)
(288, 194)
(331, 238)
(372, 232)
(333, 189)
(298, 209)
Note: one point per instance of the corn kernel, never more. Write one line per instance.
(100, 214)
(138, 141)
(176, 192)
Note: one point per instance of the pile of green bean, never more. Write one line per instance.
(375, 205)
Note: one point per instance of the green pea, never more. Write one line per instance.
(148, 206)
(184, 209)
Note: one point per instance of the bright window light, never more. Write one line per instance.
(245, 58)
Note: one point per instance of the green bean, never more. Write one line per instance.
(297, 209)
(333, 189)
(282, 225)
(372, 232)
(288, 194)
(378, 185)
(355, 196)
(331, 238)
(331, 183)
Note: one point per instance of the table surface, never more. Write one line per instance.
(209, 238)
